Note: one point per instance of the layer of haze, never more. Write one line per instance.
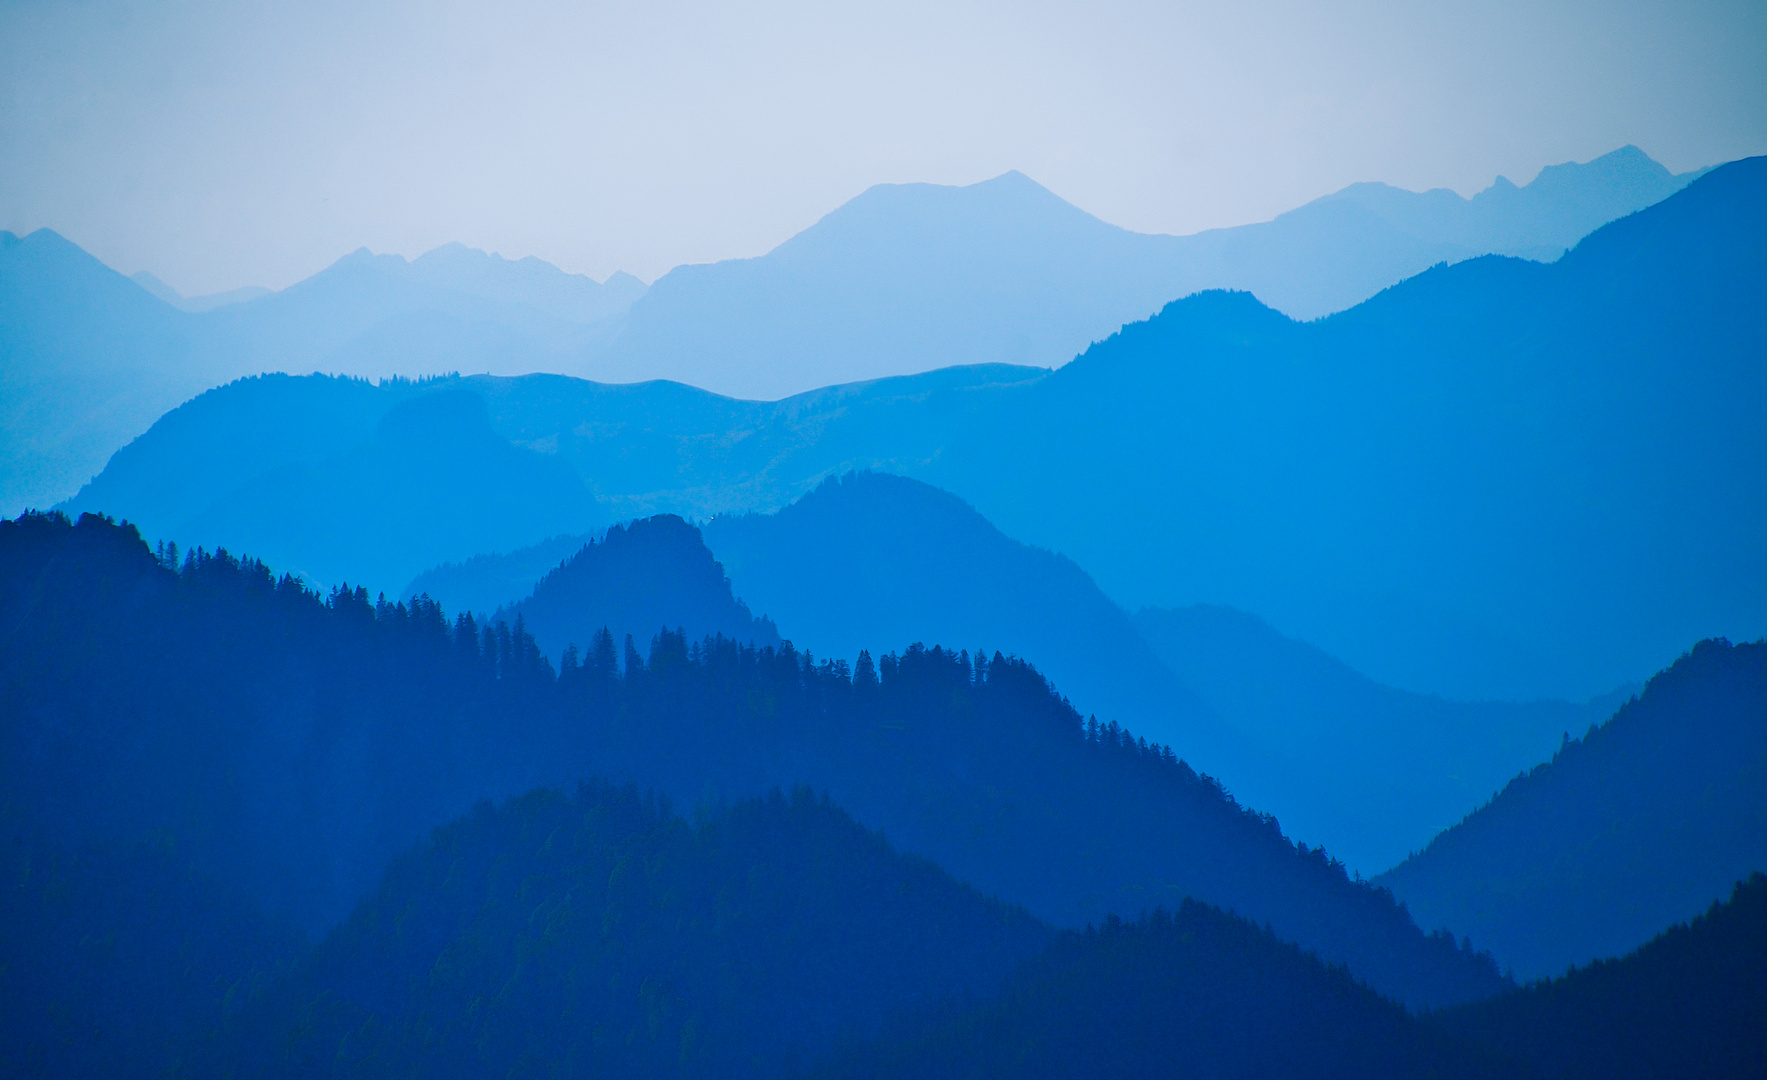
(221, 145)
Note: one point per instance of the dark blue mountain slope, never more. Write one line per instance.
(1371, 771)
(868, 559)
(601, 932)
(292, 744)
(1638, 825)
(1691, 1002)
(1192, 993)
(652, 575)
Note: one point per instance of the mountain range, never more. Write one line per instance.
(902, 279)
(1499, 480)
(908, 277)
(89, 359)
(292, 746)
(1368, 772)
(154, 867)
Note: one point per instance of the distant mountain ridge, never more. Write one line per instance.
(89, 359)
(900, 280)
(1498, 480)
(909, 277)
(640, 579)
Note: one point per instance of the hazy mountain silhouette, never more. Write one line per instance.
(1497, 480)
(1371, 771)
(87, 361)
(1688, 1003)
(90, 358)
(196, 304)
(869, 559)
(653, 447)
(486, 582)
(651, 575)
(433, 483)
(901, 279)
(291, 745)
(1640, 824)
(909, 277)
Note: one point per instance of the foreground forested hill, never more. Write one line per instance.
(1641, 823)
(601, 935)
(294, 744)
(1692, 1002)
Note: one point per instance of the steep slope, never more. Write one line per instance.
(89, 358)
(1638, 825)
(484, 583)
(1371, 771)
(602, 932)
(1691, 1002)
(291, 745)
(1195, 993)
(868, 559)
(652, 575)
(909, 277)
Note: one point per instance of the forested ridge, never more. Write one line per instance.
(293, 745)
(601, 934)
(209, 768)
(1641, 823)
(1692, 1002)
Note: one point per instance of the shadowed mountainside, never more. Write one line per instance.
(1640, 824)
(602, 931)
(1389, 769)
(1688, 1003)
(653, 574)
(1194, 993)
(292, 744)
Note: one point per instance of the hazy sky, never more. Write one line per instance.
(224, 144)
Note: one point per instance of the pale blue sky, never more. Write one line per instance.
(224, 144)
